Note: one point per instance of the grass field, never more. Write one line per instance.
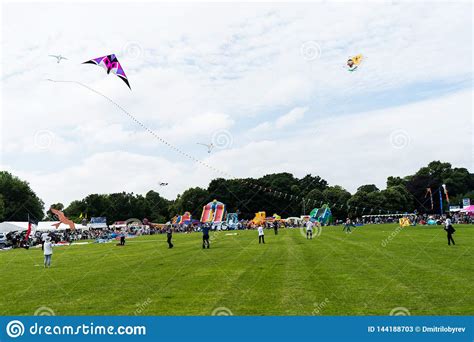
(333, 274)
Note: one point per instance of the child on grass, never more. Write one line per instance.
(205, 236)
(309, 230)
(47, 251)
(261, 235)
(448, 227)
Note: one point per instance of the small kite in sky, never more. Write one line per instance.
(58, 57)
(354, 62)
(209, 146)
(163, 184)
(111, 64)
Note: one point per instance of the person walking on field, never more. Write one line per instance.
(205, 236)
(261, 235)
(309, 230)
(275, 227)
(169, 236)
(347, 226)
(448, 227)
(48, 252)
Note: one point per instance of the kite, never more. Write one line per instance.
(62, 219)
(428, 192)
(210, 146)
(58, 57)
(111, 64)
(354, 62)
(446, 192)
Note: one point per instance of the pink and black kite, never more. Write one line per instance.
(110, 63)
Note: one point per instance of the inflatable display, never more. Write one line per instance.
(259, 218)
(322, 215)
(213, 212)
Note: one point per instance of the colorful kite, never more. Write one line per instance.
(111, 64)
(62, 219)
(428, 192)
(446, 192)
(354, 62)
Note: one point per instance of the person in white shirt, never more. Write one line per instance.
(48, 252)
(261, 235)
(309, 230)
(43, 239)
(449, 230)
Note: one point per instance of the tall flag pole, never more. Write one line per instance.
(31, 222)
(440, 202)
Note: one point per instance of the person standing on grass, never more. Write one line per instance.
(347, 226)
(43, 239)
(169, 236)
(205, 236)
(261, 235)
(47, 251)
(275, 227)
(309, 230)
(122, 239)
(448, 227)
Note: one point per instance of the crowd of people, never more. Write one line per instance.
(49, 239)
(418, 219)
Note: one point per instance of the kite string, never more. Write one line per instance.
(138, 122)
(156, 136)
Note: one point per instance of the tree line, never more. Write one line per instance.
(280, 193)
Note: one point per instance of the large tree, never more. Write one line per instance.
(191, 200)
(337, 198)
(19, 200)
(433, 176)
(2, 208)
(158, 207)
(280, 193)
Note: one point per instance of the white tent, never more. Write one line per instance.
(48, 225)
(6, 227)
(42, 226)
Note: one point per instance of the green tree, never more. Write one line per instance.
(457, 180)
(367, 200)
(191, 200)
(368, 188)
(19, 200)
(314, 198)
(337, 198)
(49, 215)
(2, 208)
(158, 207)
(397, 199)
(394, 181)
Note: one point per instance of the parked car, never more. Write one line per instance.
(3, 240)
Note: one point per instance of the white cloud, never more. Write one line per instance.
(233, 68)
(293, 116)
(349, 151)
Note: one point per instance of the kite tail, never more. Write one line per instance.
(138, 122)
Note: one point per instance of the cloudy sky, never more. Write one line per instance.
(265, 83)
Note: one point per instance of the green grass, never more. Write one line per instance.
(334, 274)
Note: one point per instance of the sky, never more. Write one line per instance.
(265, 83)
